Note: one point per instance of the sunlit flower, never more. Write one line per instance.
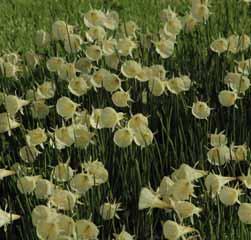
(42, 213)
(46, 90)
(7, 218)
(227, 98)
(112, 83)
(63, 172)
(78, 86)
(123, 137)
(85, 229)
(143, 136)
(187, 172)
(201, 110)
(214, 183)
(63, 200)
(219, 45)
(7, 123)
(28, 153)
(95, 33)
(94, 18)
(150, 199)
(42, 38)
(93, 52)
(27, 184)
(164, 48)
(61, 30)
(182, 189)
(219, 155)
(109, 210)
(72, 44)
(121, 98)
(66, 108)
(156, 87)
(111, 20)
(173, 231)
(200, 12)
(125, 46)
(186, 209)
(36, 137)
(244, 213)
(5, 173)
(44, 189)
(109, 118)
(67, 71)
(54, 64)
(39, 109)
(218, 139)
(229, 196)
(83, 65)
(82, 182)
(130, 69)
(13, 104)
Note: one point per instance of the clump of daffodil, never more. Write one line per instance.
(219, 45)
(78, 86)
(44, 189)
(14, 104)
(244, 213)
(201, 110)
(239, 152)
(27, 184)
(54, 64)
(123, 235)
(63, 200)
(46, 90)
(84, 65)
(86, 229)
(93, 53)
(5, 173)
(28, 153)
(123, 137)
(39, 109)
(131, 69)
(237, 82)
(173, 230)
(42, 213)
(125, 46)
(219, 155)
(7, 218)
(150, 199)
(42, 38)
(187, 172)
(186, 209)
(121, 98)
(66, 108)
(97, 170)
(109, 210)
(214, 183)
(64, 137)
(227, 98)
(62, 172)
(109, 118)
(229, 196)
(36, 137)
(61, 30)
(7, 123)
(82, 182)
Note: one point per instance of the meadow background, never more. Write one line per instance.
(180, 138)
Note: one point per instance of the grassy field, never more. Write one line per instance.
(179, 137)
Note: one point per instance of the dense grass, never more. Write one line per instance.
(179, 136)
